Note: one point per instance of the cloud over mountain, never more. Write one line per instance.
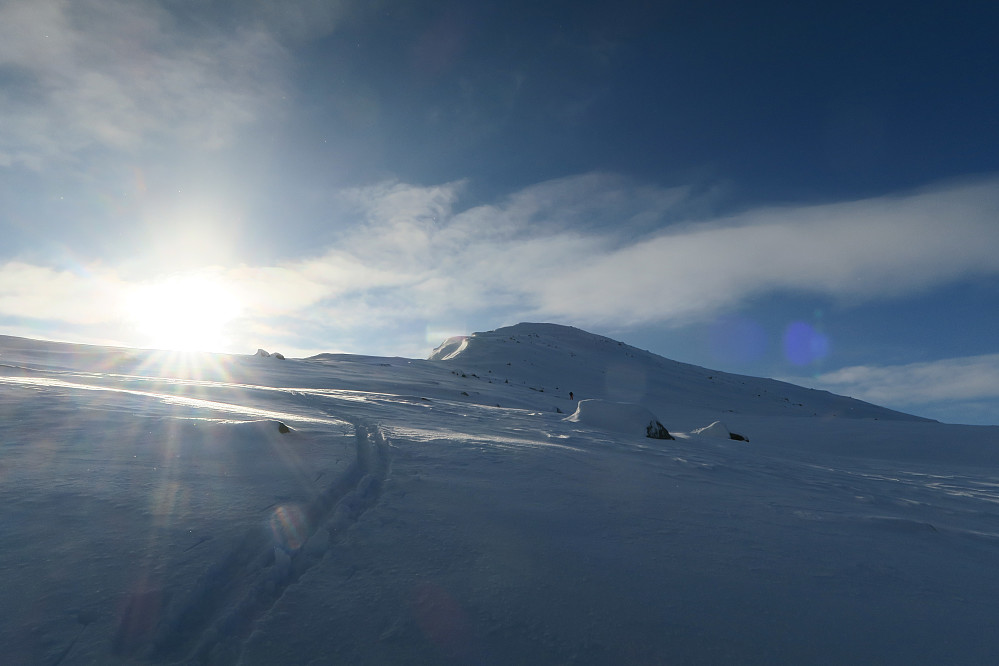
(551, 251)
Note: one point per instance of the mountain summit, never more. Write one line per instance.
(556, 359)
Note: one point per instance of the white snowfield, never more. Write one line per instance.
(162, 508)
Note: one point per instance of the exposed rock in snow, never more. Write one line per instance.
(657, 430)
(262, 352)
(620, 417)
(718, 429)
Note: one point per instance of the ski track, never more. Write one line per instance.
(212, 620)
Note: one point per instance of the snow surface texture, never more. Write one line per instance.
(444, 511)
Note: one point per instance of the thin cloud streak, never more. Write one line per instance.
(966, 379)
(601, 264)
(864, 250)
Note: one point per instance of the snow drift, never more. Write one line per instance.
(619, 417)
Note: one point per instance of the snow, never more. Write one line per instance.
(450, 348)
(619, 417)
(716, 429)
(443, 511)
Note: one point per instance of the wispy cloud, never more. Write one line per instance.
(115, 74)
(875, 248)
(598, 248)
(590, 249)
(968, 378)
(82, 297)
(954, 389)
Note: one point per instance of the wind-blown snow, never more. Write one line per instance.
(214, 509)
(716, 429)
(450, 348)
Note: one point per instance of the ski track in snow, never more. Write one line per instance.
(214, 618)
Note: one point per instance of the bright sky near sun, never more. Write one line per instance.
(801, 191)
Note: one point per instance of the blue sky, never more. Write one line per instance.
(802, 191)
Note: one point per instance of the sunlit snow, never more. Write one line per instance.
(464, 510)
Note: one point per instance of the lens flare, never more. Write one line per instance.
(803, 344)
(289, 527)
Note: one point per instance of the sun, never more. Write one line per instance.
(189, 312)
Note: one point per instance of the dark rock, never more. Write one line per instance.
(657, 430)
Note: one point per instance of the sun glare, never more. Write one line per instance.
(188, 312)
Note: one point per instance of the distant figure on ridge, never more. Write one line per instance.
(570, 395)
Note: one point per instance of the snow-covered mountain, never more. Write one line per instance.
(195, 508)
(557, 359)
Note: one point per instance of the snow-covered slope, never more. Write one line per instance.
(168, 508)
(557, 359)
